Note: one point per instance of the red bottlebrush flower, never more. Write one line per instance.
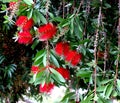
(35, 69)
(76, 59)
(64, 72)
(24, 23)
(21, 21)
(73, 57)
(62, 48)
(28, 24)
(70, 55)
(46, 88)
(46, 31)
(24, 37)
(59, 48)
(11, 5)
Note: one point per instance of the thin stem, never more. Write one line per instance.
(47, 8)
(47, 54)
(79, 7)
(86, 19)
(95, 51)
(63, 9)
(105, 54)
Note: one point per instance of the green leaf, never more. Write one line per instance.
(4, 7)
(2, 58)
(39, 81)
(83, 50)
(35, 43)
(59, 19)
(91, 80)
(84, 73)
(8, 1)
(72, 25)
(39, 54)
(34, 77)
(54, 60)
(78, 28)
(108, 91)
(107, 5)
(114, 93)
(84, 41)
(57, 75)
(100, 88)
(38, 60)
(29, 13)
(96, 97)
(67, 96)
(45, 60)
(37, 17)
(42, 18)
(104, 91)
(118, 85)
(91, 64)
(88, 98)
(106, 81)
(103, 100)
(29, 2)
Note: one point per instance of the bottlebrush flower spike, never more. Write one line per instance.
(24, 37)
(76, 59)
(21, 20)
(28, 24)
(46, 88)
(46, 31)
(70, 55)
(62, 48)
(35, 69)
(24, 23)
(73, 57)
(64, 72)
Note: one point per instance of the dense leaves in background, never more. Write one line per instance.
(15, 61)
(79, 36)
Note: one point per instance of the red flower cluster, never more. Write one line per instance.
(62, 48)
(35, 69)
(24, 23)
(24, 37)
(64, 72)
(46, 88)
(72, 56)
(46, 31)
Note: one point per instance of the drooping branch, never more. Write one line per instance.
(47, 8)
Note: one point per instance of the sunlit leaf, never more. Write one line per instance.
(29, 2)
(109, 91)
(57, 75)
(54, 60)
